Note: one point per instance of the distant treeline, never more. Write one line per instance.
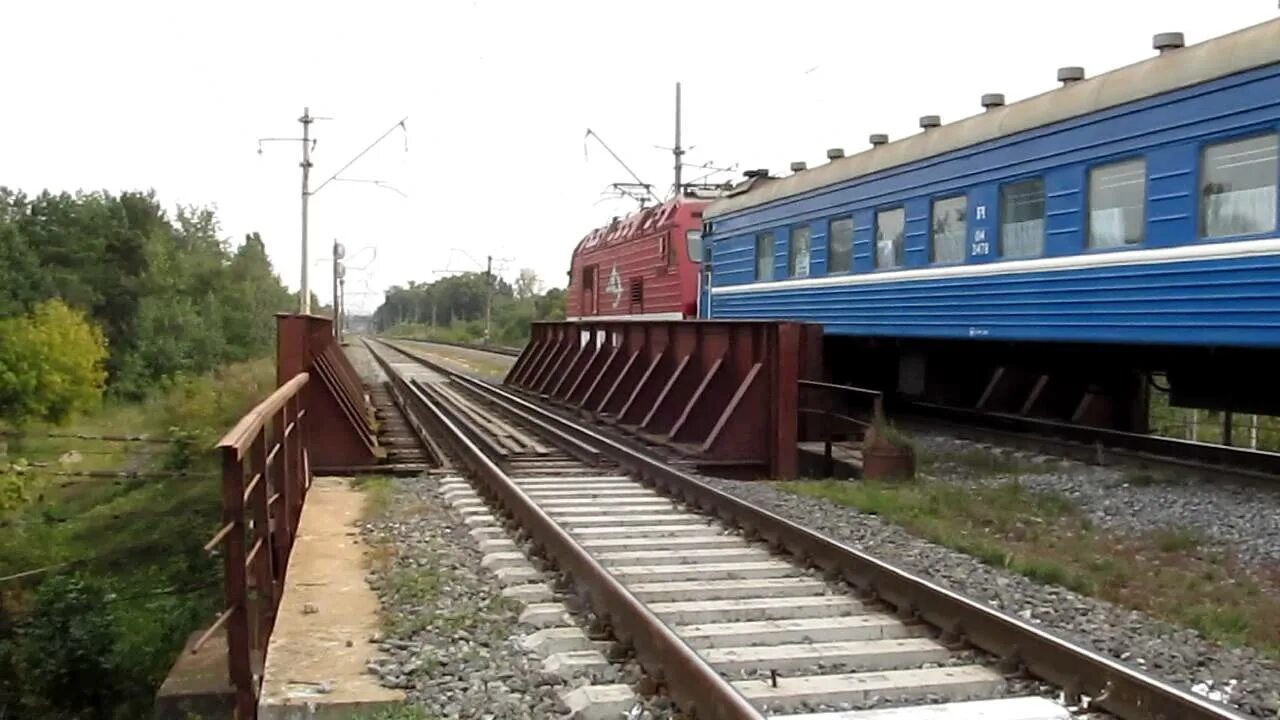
(453, 308)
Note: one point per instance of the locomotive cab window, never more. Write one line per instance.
(1022, 219)
(1238, 187)
(948, 225)
(693, 242)
(798, 253)
(840, 245)
(1117, 199)
(891, 226)
(764, 256)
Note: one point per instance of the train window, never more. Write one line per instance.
(764, 256)
(693, 242)
(1117, 199)
(840, 245)
(949, 230)
(891, 228)
(1022, 219)
(798, 253)
(1238, 187)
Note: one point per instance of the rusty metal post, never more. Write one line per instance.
(235, 588)
(284, 512)
(828, 463)
(785, 348)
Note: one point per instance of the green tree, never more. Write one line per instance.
(51, 364)
(64, 650)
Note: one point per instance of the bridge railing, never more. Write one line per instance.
(265, 477)
(837, 414)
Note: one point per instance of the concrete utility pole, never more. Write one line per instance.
(306, 121)
(308, 145)
(488, 295)
(339, 271)
(677, 150)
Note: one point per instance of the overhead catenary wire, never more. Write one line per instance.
(372, 145)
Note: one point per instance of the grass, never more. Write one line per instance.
(378, 494)
(1171, 574)
(135, 545)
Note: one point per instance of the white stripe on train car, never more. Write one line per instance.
(1150, 256)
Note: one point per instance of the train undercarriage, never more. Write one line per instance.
(1100, 386)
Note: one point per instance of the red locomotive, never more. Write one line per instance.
(644, 266)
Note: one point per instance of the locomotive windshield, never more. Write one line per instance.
(693, 240)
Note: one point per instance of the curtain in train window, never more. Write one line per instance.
(840, 246)
(1022, 219)
(1117, 200)
(890, 229)
(949, 230)
(764, 256)
(798, 253)
(1238, 187)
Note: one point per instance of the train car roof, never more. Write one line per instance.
(1236, 52)
(636, 224)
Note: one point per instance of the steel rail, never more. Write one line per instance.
(694, 685)
(491, 349)
(1093, 443)
(1081, 673)
(575, 447)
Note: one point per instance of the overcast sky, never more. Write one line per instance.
(499, 93)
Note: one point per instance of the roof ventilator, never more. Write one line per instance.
(835, 153)
(992, 100)
(930, 121)
(877, 139)
(798, 165)
(1068, 75)
(1164, 42)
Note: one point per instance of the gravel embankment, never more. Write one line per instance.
(1176, 655)
(1242, 517)
(453, 643)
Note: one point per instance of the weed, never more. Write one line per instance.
(377, 491)
(1178, 540)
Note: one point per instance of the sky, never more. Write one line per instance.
(498, 95)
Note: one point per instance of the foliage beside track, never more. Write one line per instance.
(50, 364)
(453, 309)
(170, 295)
(128, 581)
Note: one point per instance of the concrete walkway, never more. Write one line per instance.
(321, 643)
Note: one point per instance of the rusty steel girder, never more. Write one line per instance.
(723, 393)
(342, 433)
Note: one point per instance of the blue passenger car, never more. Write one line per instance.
(1127, 221)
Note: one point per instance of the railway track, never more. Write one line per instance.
(1094, 445)
(735, 612)
(1090, 444)
(503, 350)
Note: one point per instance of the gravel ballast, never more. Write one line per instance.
(452, 641)
(1242, 517)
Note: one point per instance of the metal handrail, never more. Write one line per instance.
(828, 415)
(265, 477)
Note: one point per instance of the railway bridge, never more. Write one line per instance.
(583, 478)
